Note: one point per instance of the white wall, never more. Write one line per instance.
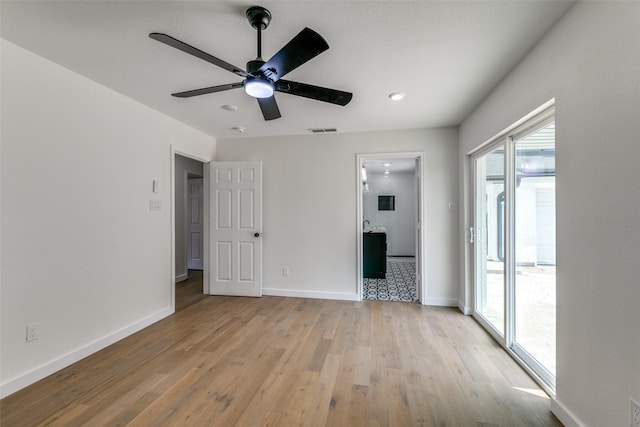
(183, 166)
(399, 223)
(309, 208)
(82, 255)
(590, 63)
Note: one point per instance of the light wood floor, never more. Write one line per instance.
(274, 361)
(189, 292)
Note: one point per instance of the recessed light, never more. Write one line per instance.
(229, 107)
(239, 129)
(396, 96)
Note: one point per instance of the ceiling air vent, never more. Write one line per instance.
(323, 130)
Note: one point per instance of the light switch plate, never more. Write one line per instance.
(155, 205)
(32, 332)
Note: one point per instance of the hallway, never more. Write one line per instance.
(189, 292)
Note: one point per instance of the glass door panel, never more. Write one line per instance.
(515, 243)
(489, 179)
(535, 248)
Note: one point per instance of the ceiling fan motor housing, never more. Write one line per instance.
(258, 17)
(254, 65)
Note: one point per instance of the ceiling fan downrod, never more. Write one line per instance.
(259, 18)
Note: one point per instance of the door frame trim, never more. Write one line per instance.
(420, 261)
(172, 210)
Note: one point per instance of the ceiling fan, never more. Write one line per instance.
(262, 79)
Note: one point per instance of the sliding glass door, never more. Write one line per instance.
(534, 338)
(515, 252)
(489, 233)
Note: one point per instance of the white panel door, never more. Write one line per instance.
(235, 228)
(195, 224)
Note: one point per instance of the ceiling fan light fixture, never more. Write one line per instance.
(261, 76)
(258, 87)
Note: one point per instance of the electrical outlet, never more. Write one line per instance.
(285, 271)
(32, 332)
(635, 413)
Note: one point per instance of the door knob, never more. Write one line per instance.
(256, 235)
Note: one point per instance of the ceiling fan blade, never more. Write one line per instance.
(205, 90)
(168, 40)
(269, 108)
(306, 45)
(318, 93)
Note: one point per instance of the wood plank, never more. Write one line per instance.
(275, 361)
(66, 416)
(319, 355)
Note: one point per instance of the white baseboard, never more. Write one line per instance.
(441, 302)
(182, 277)
(343, 296)
(564, 415)
(465, 309)
(21, 381)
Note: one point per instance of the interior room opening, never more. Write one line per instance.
(389, 229)
(189, 231)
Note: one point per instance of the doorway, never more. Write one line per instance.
(390, 263)
(189, 237)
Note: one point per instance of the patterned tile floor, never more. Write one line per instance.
(399, 285)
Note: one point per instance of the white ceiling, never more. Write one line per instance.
(377, 167)
(446, 56)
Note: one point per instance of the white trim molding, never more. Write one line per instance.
(17, 383)
(564, 415)
(441, 302)
(465, 309)
(342, 296)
